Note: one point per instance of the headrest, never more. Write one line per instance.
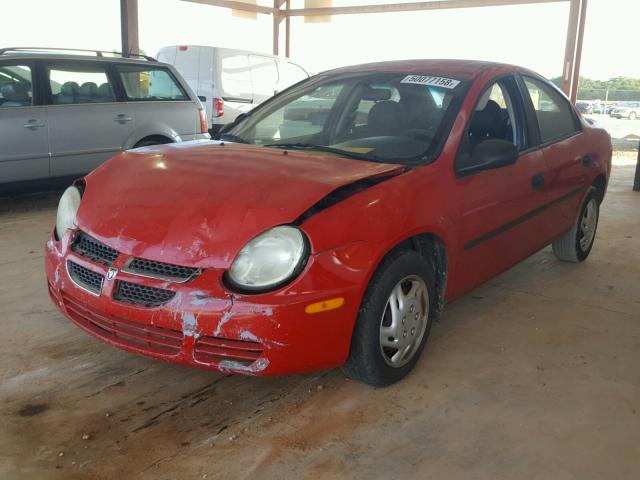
(88, 89)
(105, 91)
(69, 88)
(487, 121)
(386, 118)
(15, 92)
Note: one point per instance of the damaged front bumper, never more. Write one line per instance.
(204, 325)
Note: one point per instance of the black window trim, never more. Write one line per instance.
(145, 67)
(532, 111)
(521, 117)
(46, 72)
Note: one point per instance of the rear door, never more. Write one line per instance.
(567, 155)
(160, 103)
(234, 86)
(289, 74)
(87, 125)
(24, 147)
(264, 76)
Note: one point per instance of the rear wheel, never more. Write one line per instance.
(394, 320)
(576, 244)
(151, 141)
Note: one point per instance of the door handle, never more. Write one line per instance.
(33, 124)
(122, 118)
(587, 160)
(537, 182)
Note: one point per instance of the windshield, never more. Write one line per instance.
(394, 118)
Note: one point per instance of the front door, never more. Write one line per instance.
(500, 209)
(86, 123)
(24, 147)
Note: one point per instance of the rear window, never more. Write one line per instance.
(149, 84)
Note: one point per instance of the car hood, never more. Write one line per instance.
(198, 205)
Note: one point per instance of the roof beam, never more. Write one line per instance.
(236, 5)
(410, 7)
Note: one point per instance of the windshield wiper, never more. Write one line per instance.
(230, 137)
(324, 148)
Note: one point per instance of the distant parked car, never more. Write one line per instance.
(585, 107)
(63, 113)
(231, 82)
(626, 110)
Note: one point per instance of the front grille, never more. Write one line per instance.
(160, 270)
(84, 277)
(93, 249)
(147, 338)
(213, 350)
(141, 295)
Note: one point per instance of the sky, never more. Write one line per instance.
(529, 35)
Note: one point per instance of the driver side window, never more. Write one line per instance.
(493, 118)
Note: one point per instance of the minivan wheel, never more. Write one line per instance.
(394, 320)
(576, 244)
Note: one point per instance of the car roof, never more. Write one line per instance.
(460, 69)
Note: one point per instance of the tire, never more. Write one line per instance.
(576, 244)
(633, 116)
(369, 361)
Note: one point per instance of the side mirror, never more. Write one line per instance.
(490, 154)
(202, 98)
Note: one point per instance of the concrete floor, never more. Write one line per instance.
(535, 375)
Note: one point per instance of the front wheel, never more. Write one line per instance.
(394, 320)
(576, 244)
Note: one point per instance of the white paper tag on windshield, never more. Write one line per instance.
(433, 81)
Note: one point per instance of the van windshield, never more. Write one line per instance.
(390, 117)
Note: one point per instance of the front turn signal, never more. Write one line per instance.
(325, 305)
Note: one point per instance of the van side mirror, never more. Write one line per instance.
(490, 154)
(202, 98)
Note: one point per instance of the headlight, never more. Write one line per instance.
(67, 209)
(270, 259)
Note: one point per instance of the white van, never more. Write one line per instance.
(230, 82)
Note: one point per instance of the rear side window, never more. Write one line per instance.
(553, 111)
(15, 86)
(79, 83)
(149, 84)
(236, 77)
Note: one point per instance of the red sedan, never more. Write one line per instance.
(330, 225)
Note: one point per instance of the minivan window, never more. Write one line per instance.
(15, 86)
(236, 77)
(149, 84)
(87, 83)
(553, 111)
(264, 74)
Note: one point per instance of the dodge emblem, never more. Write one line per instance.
(111, 274)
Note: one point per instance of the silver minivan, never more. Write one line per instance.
(62, 115)
(230, 82)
